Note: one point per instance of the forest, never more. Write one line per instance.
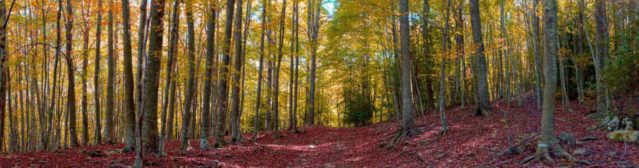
(319, 83)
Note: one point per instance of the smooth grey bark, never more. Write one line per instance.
(293, 68)
(395, 80)
(548, 141)
(85, 64)
(190, 86)
(313, 32)
(172, 102)
(70, 75)
(276, 73)
(461, 61)
(44, 136)
(224, 73)
(442, 80)
(408, 121)
(129, 100)
(505, 53)
(208, 79)
(537, 54)
(563, 82)
(142, 57)
(482, 92)
(96, 77)
(235, 91)
(602, 40)
(109, 128)
(260, 70)
(173, 30)
(58, 44)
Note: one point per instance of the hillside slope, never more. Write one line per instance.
(470, 142)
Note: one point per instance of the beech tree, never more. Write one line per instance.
(480, 73)
(129, 106)
(70, 74)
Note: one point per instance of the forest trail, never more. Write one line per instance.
(470, 142)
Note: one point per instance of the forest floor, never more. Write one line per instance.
(470, 142)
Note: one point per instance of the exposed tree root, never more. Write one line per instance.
(401, 134)
(443, 131)
(482, 111)
(545, 154)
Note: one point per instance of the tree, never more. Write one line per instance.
(480, 72)
(190, 87)
(151, 78)
(85, 64)
(276, 72)
(235, 111)
(129, 108)
(461, 61)
(208, 79)
(169, 71)
(224, 73)
(426, 51)
(537, 54)
(602, 42)
(70, 76)
(96, 76)
(259, 71)
(110, 102)
(292, 125)
(548, 141)
(313, 32)
(408, 121)
(3, 69)
(442, 80)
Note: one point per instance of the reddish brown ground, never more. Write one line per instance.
(471, 142)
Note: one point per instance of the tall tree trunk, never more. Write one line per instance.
(224, 73)
(563, 82)
(276, 72)
(172, 102)
(190, 87)
(129, 85)
(461, 61)
(408, 121)
(548, 141)
(396, 80)
(151, 77)
(3, 71)
(44, 136)
(208, 79)
(480, 61)
(109, 129)
(602, 45)
(314, 19)
(85, 64)
(96, 77)
(142, 58)
(235, 111)
(442, 80)
(56, 61)
(169, 70)
(505, 50)
(293, 68)
(260, 72)
(70, 75)
(537, 54)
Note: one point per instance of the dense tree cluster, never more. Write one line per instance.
(200, 69)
